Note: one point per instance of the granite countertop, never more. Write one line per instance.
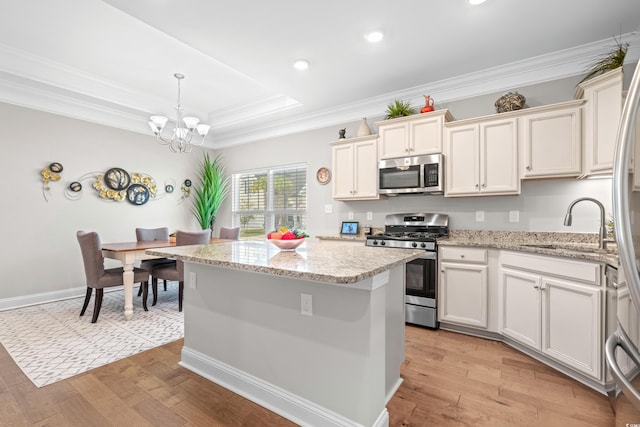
(318, 260)
(570, 245)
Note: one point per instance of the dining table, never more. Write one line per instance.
(128, 253)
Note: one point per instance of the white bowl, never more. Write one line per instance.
(287, 245)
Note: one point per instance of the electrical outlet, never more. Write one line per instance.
(306, 304)
(350, 216)
(192, 280)
(479, 216)
(369, 216)
(328, 208)
(514, 216)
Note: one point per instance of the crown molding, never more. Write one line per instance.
(39, 84)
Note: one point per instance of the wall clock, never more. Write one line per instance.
(323, 175)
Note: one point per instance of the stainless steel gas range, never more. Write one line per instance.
(410, 231)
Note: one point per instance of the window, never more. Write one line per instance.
(266, 199)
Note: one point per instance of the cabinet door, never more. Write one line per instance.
(425, 135)
(463, 297)
(519, 312)
(571, 326)
(393, 140)
(552, 142)
(601, 119)
(499, 157)
(365, 169)
(461, 158)
(342, 171)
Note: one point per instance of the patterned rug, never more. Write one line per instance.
(51, 342)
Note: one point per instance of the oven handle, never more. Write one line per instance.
(428, 255)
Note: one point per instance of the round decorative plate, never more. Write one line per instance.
(117, 179)
(137, 194)
(323, 175)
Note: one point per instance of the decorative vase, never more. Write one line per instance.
(363, 129)
(510, 101)
(341, 133)
(428, 104)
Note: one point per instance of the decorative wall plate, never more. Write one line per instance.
(323, 175)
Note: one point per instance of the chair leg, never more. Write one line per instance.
(165, 285)
(98, 305)
(140, 290)
(145, 293)
(154, 289)
(180, 293)
(86, 300)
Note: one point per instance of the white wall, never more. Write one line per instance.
(40, 253)
(542, 204)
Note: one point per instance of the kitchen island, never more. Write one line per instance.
(316, 334)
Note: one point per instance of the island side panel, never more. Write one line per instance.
(395, 291)
(335, 358)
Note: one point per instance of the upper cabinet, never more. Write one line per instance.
(355, 168)
(414, 135)
(602, 111)
(551, 140)
(481, 157)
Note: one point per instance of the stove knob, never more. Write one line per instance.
(382, 243)
(423, 245)
(415, 245)
(375, 242)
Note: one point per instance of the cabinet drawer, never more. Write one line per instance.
(461, 254)
(586, 272)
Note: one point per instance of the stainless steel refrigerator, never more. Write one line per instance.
(621, 348)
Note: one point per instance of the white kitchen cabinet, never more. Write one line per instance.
(551, 140)
(481, 157)
(635, 164)
(554, 306)
(602, 111)
(355, 168)
(463, 294)
(414, 135)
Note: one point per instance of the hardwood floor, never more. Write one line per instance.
(449, 380)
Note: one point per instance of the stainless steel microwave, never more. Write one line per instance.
(411, 175)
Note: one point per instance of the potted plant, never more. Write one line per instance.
(608, 62)
(210, 191)
(399, 109)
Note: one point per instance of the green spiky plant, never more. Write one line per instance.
(210, 192)
(608, 62)
(399, 109)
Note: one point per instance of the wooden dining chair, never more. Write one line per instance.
(98, 277)
(175, 270)
(149, 235)
(230, 233)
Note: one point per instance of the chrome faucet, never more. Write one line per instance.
(603, 230)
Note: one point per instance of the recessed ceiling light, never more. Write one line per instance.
(301, 64)
(476, 2)
(374, 36)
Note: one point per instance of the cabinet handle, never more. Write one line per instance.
(536, 287)
(528, 168)
(476, 185)
(542, 288)
(461, 255)
(484, 185)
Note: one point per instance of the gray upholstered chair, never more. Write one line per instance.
(175, 270)
(148, 235)
(98, 277)
(230, 233)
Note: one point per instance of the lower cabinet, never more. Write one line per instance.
(463, 287)
(554, 306)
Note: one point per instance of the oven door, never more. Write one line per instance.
(421, 288)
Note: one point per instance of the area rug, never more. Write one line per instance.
(51, 342)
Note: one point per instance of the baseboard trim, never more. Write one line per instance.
(292, 407)
(45, 297)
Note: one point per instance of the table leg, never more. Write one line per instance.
(127, 277)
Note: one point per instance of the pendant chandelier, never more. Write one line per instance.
(180, 140)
